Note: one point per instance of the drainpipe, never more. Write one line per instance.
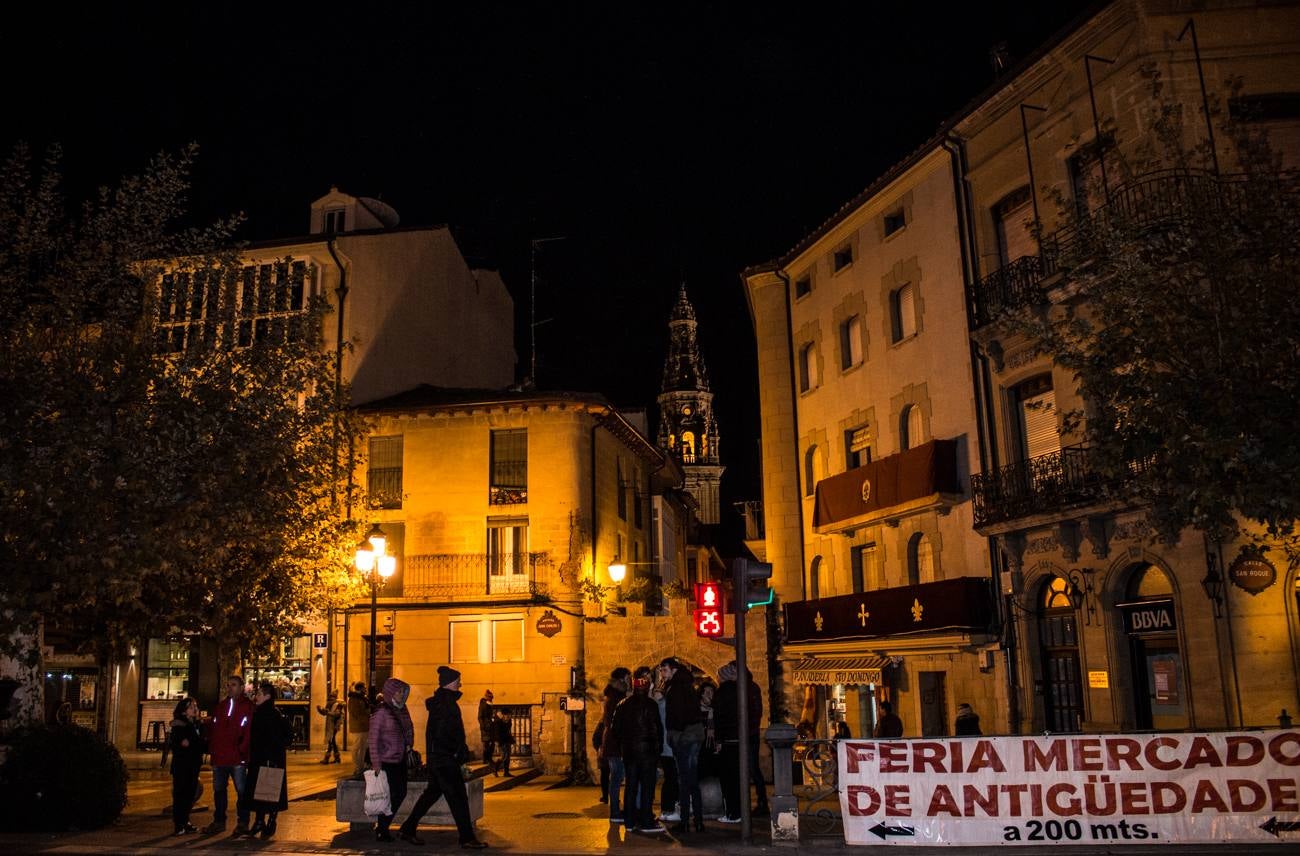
(342, 293)
(794, 411)
(984, 421)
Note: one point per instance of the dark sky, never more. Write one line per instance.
(668, 142)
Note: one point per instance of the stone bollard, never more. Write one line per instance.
(780, 737)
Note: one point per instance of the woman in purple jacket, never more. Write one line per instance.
(391, 734)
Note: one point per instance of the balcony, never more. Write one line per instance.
(888, 489)
(963, 604)
(1048, 483)
(478, 576)
(1150, 201)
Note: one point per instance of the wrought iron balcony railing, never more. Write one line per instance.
(509, 576)
(1156, 198)
(1044, 484)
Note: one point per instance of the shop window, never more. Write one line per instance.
(902, 312)
(1151, 622)
(384, 472)
(508, 480)
(288, 667)
(851, 343)
(167, 669)
(1058, 642)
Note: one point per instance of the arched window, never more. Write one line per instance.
(909, 428)
(920, 560)
(810, 471)
(815, 578)
(1058, 643)
(808, 377)
(688, 447)
(1159, 685)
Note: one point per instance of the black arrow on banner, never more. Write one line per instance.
(1274, 826)
(881, 830)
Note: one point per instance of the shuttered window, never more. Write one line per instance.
(851, 343)
(1038, 417)
(507, 640)
(902, 307)
(465, 641)
(1013, 215)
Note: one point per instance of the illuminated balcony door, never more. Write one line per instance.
(507, 556)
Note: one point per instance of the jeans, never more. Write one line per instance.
(219, 777)
(396, 774)
(668, 794)
(686, 752)
(615, 782)
(639, 795)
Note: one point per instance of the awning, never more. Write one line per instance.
(840, 670)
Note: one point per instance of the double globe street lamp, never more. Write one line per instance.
(376, 566)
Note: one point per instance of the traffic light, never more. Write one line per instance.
(751, 581)
(708, 610)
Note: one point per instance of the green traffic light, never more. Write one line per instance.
(771, 593)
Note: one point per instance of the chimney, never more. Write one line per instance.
(999, 58)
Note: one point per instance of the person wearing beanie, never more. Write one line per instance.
(446, 750)
(968, 722)
(486, 729)
(391, 734)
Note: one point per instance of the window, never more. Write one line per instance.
(507, 555)
(688, 447)
(863, 562)
(902, 313)
(810, 471)
(1036, 410)
(1087, 176)
(894, 221)
(808, 378)
(167, 669)
(384, 472)
(920, 560)
(507, 640)
(858, 445)
(334, 220)
(815, 578)
(1059, 654)
(509, 467)
(1011, 216)
(851, 343)
(803, 286)
(911, 433)
(209, 308)
(465, 641)
(620, 488)
(842, 258)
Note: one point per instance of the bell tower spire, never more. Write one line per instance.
(687, 428)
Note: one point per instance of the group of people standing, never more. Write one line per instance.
(663, 719)
(244, 738)
(495, 735)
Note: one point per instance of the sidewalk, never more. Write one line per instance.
(540, 816)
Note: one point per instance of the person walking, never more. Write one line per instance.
(391, 734)
(889, 724)
(269, 739)
(333, 713)
(504, 740)
(639, 732)
(187, 748)
(228, 737)
(967, 723)
(359, 726)
(685, 736)
(445, 747)
(486, 729)
(610, 754)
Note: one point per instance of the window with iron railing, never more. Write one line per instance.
(508, 476)
(384, 472)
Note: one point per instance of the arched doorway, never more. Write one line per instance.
(1058, 642)
(1159, 688)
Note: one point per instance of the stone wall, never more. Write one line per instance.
(639, 640)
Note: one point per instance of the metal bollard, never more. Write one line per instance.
(1284, 720)
(780, 737)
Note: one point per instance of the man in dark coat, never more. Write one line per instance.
(968, 722)
(685, 735)
(889, 724)
(486, 729)
(446, 749)
(637, 729)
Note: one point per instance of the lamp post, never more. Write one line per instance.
(376, 565)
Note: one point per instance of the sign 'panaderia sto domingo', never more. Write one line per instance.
(1134, 789)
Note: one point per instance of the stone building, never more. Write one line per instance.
(1112, 629)
(504, 511)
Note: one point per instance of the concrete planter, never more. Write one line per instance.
(349, 804)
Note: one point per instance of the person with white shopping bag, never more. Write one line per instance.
(391, 734)
(267, 792)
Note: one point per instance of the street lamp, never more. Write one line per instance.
(617, 570)
(376, 565)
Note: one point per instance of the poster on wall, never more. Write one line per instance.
(1080, 789)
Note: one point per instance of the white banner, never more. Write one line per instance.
(1073, 789)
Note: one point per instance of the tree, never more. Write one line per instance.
(1179, 321)
(150, 486)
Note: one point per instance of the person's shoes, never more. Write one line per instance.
(325, 760)
(187, 829)
(410, 837)
(268, 830)
(670, 816)
(255, 829)
(604, 798)
(382, 835)
(214, 827)
(473, 844)
(241, 828)
(726, 819)
(655, 828)
(614, 820)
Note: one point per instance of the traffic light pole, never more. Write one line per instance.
(739, 602)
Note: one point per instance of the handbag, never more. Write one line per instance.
(378, 800)
(270, 781)
(413, 762)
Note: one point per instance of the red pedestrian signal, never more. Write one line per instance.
(708, 596)
(708, 622)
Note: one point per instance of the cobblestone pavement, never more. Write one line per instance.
(538, 816)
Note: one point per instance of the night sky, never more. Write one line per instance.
(666, 143)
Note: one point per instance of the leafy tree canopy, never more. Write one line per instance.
(154, 481)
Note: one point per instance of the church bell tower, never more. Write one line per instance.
(687, 429)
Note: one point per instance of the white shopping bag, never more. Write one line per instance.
(378, 800)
